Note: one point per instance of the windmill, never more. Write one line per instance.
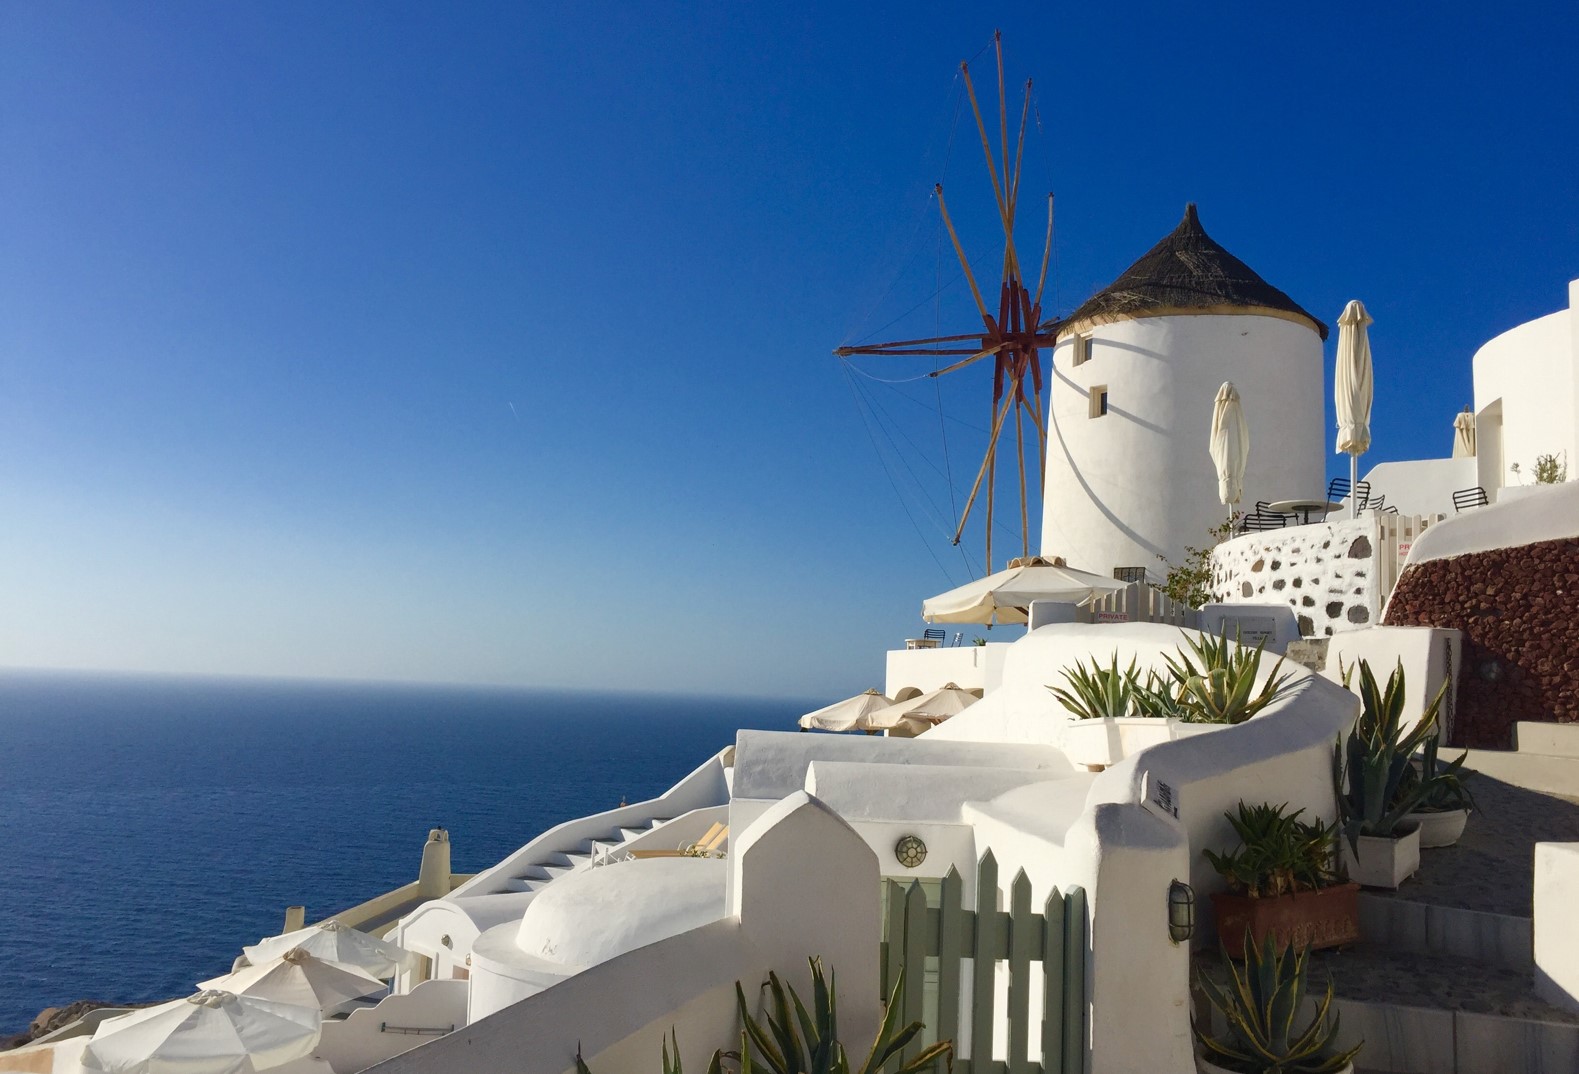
(1013, 337)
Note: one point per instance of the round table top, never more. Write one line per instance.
(1284, 507)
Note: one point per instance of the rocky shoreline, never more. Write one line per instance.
(52, 1018)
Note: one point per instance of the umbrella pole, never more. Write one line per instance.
(1354, 483)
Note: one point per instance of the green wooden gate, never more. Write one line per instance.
(930, 941)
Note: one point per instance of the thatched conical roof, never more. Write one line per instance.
(1187, 272)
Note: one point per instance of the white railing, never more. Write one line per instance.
(1142, 603)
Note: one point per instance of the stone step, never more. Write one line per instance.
(1407, 925)
(1436, 1014)
(1433, 1014)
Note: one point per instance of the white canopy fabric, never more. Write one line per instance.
(846, 715)
(1464, 436)
(1005, 595)
(1230, 444)
(335, 942)
(210, 1033)
(1353, 389)
(301, 978)
(932, 707)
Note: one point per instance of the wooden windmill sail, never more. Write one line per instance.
(1013, 336)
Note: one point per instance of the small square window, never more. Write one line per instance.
(1082, 350)
(1098, 400)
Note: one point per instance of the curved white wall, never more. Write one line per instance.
(1530, 370)
(1138, 482)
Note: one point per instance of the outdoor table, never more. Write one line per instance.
(1303, 508)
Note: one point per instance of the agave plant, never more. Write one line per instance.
(1161, 698)
(808, 1042)
(1375, 782)
(797, 1041)
(1260, 1003)
(1099, 692)
(1222, 689)
(1278, 853)
(1442, 786)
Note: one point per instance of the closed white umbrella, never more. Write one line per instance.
(212, 1032)
(846, 715)
(1464, 436)
(301, 978)
(335, 942)
(1005, 595)
(1230, 445)
(1353, 390)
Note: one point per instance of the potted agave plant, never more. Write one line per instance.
(1260, 1003)
(1111, 722)
(1377, 786)
(1214, 681)
(1444, 801)
(1282, 883)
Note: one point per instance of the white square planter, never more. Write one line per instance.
(1099, 743)
(1383, 862)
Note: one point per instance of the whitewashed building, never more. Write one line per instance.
(1135, 370)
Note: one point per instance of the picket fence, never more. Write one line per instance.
(931, 942)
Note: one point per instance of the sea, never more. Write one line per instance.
(152, 826)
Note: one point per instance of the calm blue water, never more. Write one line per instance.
(149, 827)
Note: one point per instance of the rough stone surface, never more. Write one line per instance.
(1330, 593)
(1521, 635)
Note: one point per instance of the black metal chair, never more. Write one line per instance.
(1378, 504)
(934, 634)
(1475, 497)
(1130, 574)
(1258, 521)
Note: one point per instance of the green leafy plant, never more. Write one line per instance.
(1371, 765)
(1278, 853)
(1222, 688)
(794, 1040)
(1260, 1003)
(1551, 469)
(1099, 693)
(1190, 581)
(1442, 787)
(1159, 697)
(978, 641)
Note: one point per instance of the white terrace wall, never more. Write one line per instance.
(396, 1025)
(804, 884)
(1335, 575)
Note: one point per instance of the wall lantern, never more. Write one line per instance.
(1181, 911)
(1490, 670)
(910, 851)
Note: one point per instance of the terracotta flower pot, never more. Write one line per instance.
(1441, 828)
(1326, 917)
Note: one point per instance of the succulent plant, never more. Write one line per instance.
(1278, 853)
(797, 1041)
(1260, 1003)
(1442, 787)
(1099, 692)
(1222, 689)
(1376, 784)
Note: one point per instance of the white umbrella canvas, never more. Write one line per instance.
(932, 707)
(335, 942)
(845, 715)
(1005, 595)
(302, 978)
(212, 1032)
(1229, 446)
(1352, 390)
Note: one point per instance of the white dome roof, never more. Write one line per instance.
(590, 916)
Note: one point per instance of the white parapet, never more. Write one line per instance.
(1556, 940)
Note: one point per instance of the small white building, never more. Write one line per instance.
(1526, 385)
(1135, 372)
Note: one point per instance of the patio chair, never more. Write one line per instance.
(708, 846)
(1475, 497)
(934, 634)
(1378, 504)
(1260, 520)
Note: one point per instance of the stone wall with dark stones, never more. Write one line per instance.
(1517, 608)
(1325, 572)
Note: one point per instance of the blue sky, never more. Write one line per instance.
(491, 343)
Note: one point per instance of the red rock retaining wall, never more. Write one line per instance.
(1519, 611)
